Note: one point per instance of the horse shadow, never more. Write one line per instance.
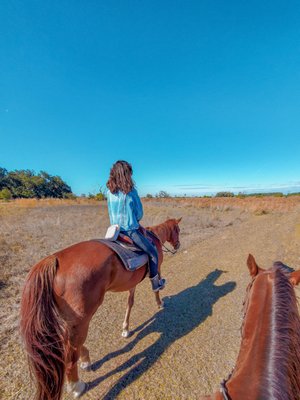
(183, 313)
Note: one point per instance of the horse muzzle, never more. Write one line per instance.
(176, 246)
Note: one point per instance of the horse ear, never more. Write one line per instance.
(252, 266)
(295, 278)
(178, 220)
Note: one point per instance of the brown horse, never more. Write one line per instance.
(61, 294)
(268, 364)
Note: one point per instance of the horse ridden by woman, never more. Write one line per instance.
(268, 364)
(62, 293)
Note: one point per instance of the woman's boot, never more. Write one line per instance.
(157, 283)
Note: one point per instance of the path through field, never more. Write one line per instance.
(188, 348)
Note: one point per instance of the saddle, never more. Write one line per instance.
(131, 256)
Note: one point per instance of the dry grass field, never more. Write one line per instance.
(181, 351)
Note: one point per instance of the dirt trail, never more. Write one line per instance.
(186, 349)
(189, 347)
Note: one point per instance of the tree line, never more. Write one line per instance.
(27, 184)
(164, 194)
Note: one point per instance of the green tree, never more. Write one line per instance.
(25, 183)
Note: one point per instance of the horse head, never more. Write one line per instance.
(270, 330)
(270, 348)
(173, 232)
(254, 270)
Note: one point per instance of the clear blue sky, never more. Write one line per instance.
(197, 95)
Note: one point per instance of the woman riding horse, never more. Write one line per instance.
(126, 210)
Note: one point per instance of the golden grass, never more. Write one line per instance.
(18, 206)
(267, 203)
(253, 204)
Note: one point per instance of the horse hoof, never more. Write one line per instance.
(76, 388)
(125, 333)
(86, 365)
(161, 305)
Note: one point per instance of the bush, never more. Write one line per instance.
(274, 194)
(277, 194)
(5, 194)
(293, 194)
(99, 196)
(224, 194)
(149, 196)
(70, 196)
(261, 211)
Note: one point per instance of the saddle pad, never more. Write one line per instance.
(132, 257)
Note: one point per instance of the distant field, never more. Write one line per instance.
(223, 229)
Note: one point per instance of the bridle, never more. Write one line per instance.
(223, 387)
(165, 248)
(224, 390)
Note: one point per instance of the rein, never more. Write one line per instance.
(224, 390)
(166, 250)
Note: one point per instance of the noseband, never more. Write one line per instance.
(166, 250)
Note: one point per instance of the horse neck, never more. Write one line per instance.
(268, 358)
(253, 357)
(162, 231)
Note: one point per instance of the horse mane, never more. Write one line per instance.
(281, 378)
(161, 231)
(282, 375)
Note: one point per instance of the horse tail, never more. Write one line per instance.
(43, 330)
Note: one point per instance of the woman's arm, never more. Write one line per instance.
(138, 206)
(109, 207)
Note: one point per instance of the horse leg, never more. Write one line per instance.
(130, 302)
(159, 302)
(85, 361)
(74, 385)
(77, 337)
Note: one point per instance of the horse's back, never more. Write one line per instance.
(91, 267)
(87, 254)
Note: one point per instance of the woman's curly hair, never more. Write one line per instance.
(120, 177)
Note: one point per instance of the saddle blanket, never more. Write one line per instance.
(131, 256)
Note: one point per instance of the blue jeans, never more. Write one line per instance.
(144, 244)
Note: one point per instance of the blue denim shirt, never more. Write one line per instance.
(125, 210)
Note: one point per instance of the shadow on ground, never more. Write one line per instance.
(183, 313)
